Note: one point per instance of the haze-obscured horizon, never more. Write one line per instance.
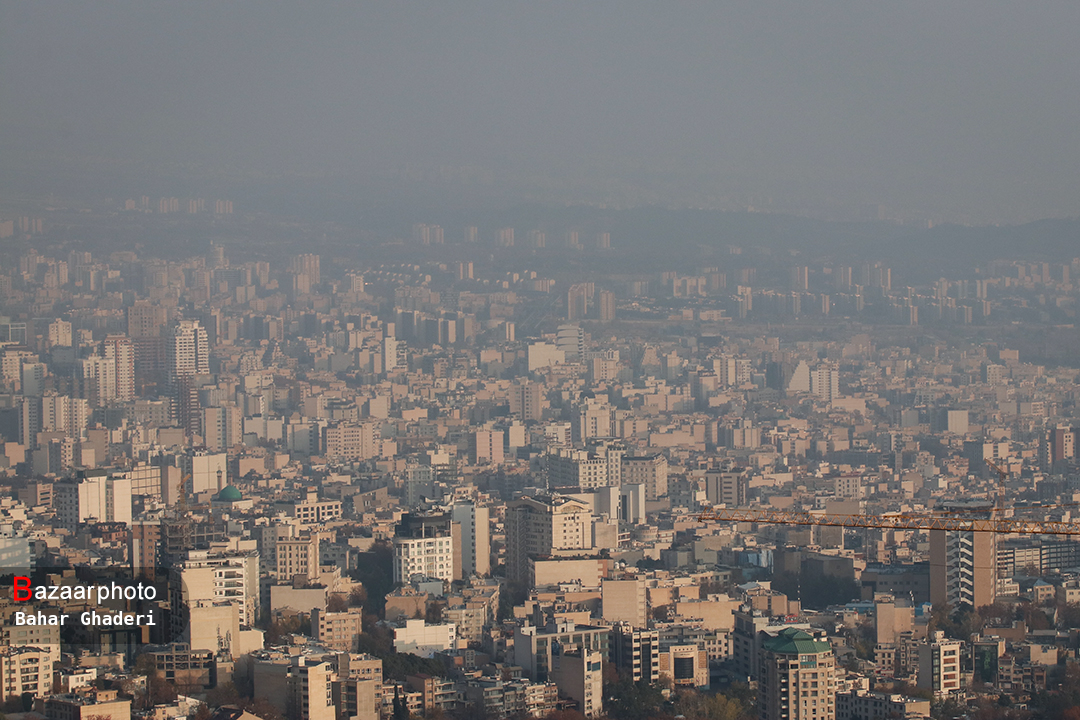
(962, 111)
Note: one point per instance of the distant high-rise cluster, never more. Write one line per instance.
(24, 225)
(584, 302)
(305, 273)
(164, 205)
(428, 234)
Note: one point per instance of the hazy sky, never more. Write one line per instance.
(961, 109)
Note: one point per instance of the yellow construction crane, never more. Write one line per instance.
(893, 521)
(181, 487)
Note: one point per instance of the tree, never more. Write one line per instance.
(512, 594)
(1068, 615)
(144, 665)
(358, 596)
(736, 703)
(1031, 570)
(401, 712)
(997, 613)
(565, 715)
(433, 614)
(281, 627)
(1034, 617)
(160, 690)
(710, 587)
(947, 709)
(337, 602)
(610, 673)
(628, 700)
(375, 571)
(224, 694)
(262, 708)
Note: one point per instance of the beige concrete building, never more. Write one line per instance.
(100, 705)
(579, 676)
(939, 665)
(337, 630)
(685, 665)
(25, 670)
(863, 705)
(218, 578)
(297, 557)
(797, 678)
(636, 652)
(312, 511)
(41, 637)
(358, 687)
(625, 601)
(539, 527)
(209, 625)
(648, 470)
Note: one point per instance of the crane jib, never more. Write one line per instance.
(895, 522)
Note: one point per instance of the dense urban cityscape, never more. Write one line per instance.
(256, 466)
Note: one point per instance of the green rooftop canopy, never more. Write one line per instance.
(792, 641)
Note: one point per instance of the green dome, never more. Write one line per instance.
(229, 494)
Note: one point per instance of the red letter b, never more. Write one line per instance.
(22, 589)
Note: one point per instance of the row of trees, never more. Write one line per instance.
(627, 700)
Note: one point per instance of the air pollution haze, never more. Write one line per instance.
(550, 360)
(961, 111)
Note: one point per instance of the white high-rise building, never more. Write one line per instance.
(431, 557)
(963, 565)
(59, 333)
(222, 427)
(393, 354)
(475, 538)
(119, 351)
(93, 496)
(189, 350)
(571, 340)
(68, 415)
(427, 545)
(98, 378)
(307, 265)
(33, 378)
(825, 382)
(205, 471)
